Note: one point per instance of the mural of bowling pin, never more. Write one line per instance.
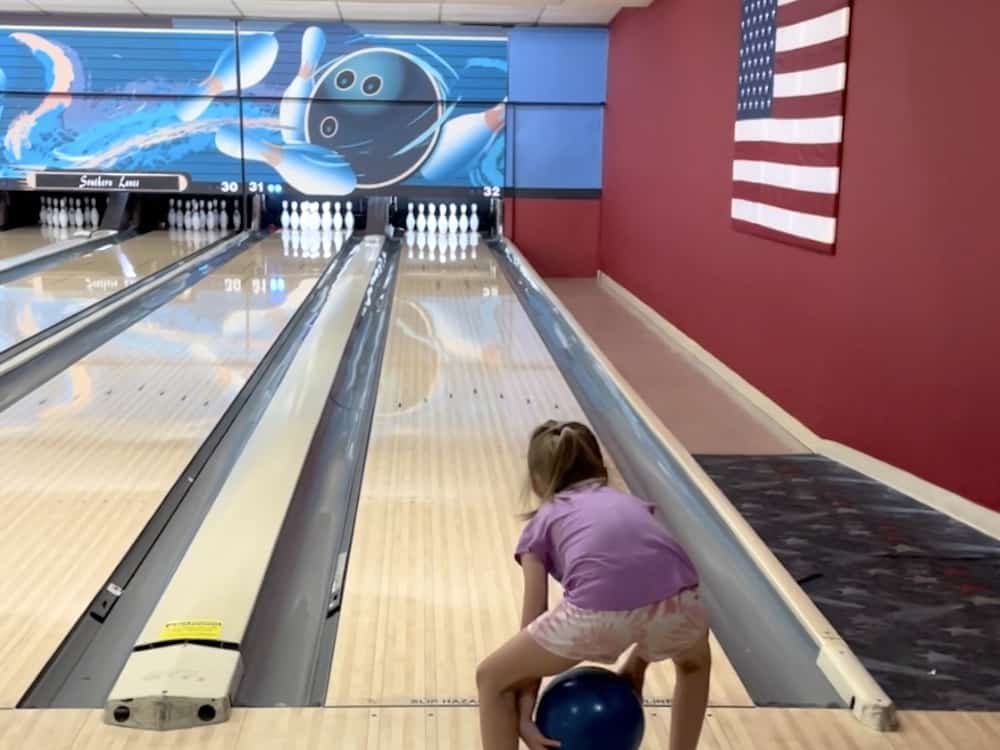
(462, 140)
(292, 112)
(312, 170)
(256, 57)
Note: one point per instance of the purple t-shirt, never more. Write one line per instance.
(607, 550)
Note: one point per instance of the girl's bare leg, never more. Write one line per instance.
(634, 670)
(516, 663)
(687, 714)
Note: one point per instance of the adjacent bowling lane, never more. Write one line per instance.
(87, 457)
(32, 303)
(23, 240)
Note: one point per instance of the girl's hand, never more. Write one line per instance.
(533, 738)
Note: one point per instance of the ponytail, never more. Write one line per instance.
(561, 454)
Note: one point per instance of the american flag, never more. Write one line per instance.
(790, 119)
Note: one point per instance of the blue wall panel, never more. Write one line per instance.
(557, 147)
(558, 65)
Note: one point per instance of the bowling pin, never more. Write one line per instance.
(442, 218)
(294, 220)
(326, 220)
(63, 214)
(237, 218)
(474, 219)
(349, 217)
(310, 169)
(77, 214)
(432, 223)
(257, 54)
(95, 215)
(286, 219)
(338, 219)
(411, 220)
(461, 140)
(292, 111)
(463, 219)
(421, 219)
(452, 218)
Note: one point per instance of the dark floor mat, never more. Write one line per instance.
(915, 593)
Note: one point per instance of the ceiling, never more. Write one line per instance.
(507, 12)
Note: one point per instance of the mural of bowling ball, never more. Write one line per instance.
(378, 108)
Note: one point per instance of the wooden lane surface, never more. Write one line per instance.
(432, 586)
(87, 457)
(39, 300)
(22, 240)
(456, 728)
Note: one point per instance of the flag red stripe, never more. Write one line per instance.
(820, 204)
(814, 56)
(804, 10)
(818, 105)
(783, 237)
(803, 154)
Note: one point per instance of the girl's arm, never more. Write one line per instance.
(536, 601)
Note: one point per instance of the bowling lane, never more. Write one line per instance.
(22, 240)
(87, 457)
(432, 587)
(31, 304)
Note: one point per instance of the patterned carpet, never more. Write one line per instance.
(915, 593)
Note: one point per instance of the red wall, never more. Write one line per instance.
(558, 236)
(891, 346)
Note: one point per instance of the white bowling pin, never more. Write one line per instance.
(95, 215)
(78, 213)
(474, 219)
(338, 219)
(286, 218)
(292, 112)
(349, 217)
(411, 220)
(326, 220)
(432, 223)
(237, 218)
(463, 219)
(63, 214)
(442, 218)
(421, 219)
(452, 218)
(294, 220)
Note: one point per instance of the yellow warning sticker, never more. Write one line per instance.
(184, 630)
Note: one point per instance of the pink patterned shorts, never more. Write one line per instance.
(660, 631)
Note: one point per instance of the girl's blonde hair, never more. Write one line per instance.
(561, 454)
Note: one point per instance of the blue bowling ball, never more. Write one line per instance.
(589, 708)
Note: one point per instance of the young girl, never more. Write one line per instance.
(625, 582)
